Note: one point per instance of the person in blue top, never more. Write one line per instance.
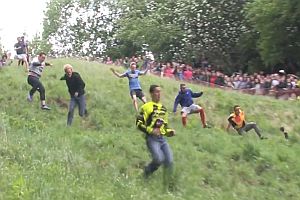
(185, 99)
(134, 84)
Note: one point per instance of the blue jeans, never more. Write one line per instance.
(161, 153)
(80, 101)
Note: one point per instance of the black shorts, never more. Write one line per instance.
(138, 92)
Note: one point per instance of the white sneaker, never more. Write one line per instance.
(45, 107)
(29, 98)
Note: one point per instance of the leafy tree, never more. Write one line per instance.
(182, 29)
(278, 24)
(39, 45)
(78, 27)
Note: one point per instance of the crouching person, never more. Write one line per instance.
(238, 122)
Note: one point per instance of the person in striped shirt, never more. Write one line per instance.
(34, 73)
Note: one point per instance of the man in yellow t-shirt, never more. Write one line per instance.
(153, 122)
(237, 121)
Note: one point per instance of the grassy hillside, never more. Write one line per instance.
(102, 156)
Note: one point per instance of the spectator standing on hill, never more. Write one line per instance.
(76, 87)
(185, 99)
(168, 70)
(108, 61)
(238, 122)
(220, 79)
(134, 84)
(35, 71)
(21, 50)
(212, 79)
(282, 80)
(153, 122)
(188, 73)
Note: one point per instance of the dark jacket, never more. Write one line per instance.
(185, 98)
(74, 83)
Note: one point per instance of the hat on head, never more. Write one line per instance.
(282, 71)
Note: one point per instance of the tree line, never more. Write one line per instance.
(250, 35)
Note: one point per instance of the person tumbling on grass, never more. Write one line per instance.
(76, 87)
(185, 99)
(134, 84)
(237, 121)
(35, 71)
(153, 122)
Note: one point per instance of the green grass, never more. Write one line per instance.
(102, 156)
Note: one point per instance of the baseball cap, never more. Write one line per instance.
(282, 71)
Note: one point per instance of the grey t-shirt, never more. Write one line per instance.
(36, 67)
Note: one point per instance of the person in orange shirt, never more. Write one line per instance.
(237, 121)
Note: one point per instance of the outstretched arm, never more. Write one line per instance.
(196, 94)
(64, 77)
(116, 73)
(144, 72)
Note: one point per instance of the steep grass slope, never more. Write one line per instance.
(102, 156)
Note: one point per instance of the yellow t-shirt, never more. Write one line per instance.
(153, 115)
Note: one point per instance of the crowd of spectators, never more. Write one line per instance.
(279, 84)
(5, 60)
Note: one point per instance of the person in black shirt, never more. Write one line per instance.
(21, 50)
(76, 89)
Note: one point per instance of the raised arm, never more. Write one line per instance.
(117, 73)
(144, 72)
